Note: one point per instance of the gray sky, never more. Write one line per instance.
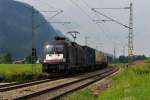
(107, 35)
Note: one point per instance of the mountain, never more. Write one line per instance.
(16, 29)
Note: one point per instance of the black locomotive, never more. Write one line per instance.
(62, 56)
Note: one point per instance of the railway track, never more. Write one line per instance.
(56, 88)
(17, 83)
(8, 87)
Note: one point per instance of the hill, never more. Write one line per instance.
(15, 29)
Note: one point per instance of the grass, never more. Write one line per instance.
(18, 68)
(81, 95)
(132, 83)
(19, 72)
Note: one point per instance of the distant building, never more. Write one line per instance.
(19, 62)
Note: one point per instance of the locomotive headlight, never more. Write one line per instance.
(64, 60)
(48, 46)
(44, 61)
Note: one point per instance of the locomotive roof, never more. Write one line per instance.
(87, 47)
(63, 42)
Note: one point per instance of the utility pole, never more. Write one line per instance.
(124, 50)
(33, 56)
(130, 39)
(130, 27)
(114, 54)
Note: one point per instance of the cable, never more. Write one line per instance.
(97, 16)
(96, 23)
(81, 9)
(48, 5)
(85, 13)
(86, 4)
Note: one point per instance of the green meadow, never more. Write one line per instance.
(132, 83)
(19, 72)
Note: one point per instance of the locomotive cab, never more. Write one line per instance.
(54, 54)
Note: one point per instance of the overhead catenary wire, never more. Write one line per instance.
(114, 8)
(108, 31)
(81, 9)
(114, 41)
(54, 11)
(91, 19)
(99, 27)
(107, 36)
(106, 8)
(50, 6)
(130, 27)
(37, 26)
(85, 13)
(114, 20)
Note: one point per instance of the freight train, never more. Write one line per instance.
(62, 56)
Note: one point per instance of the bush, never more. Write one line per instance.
(1, 78)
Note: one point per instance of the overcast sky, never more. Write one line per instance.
(107, 35)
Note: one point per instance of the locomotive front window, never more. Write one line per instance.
(57, 49)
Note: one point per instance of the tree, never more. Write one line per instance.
(109, 59)
(123, 59)
(5, 58)
(28, 59)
